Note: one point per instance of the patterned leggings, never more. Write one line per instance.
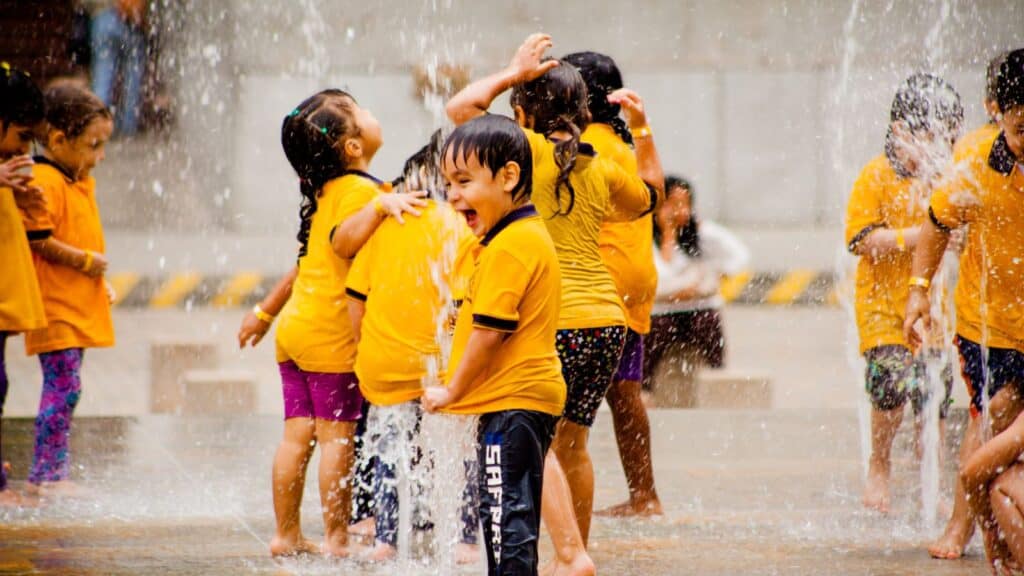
(62, 389)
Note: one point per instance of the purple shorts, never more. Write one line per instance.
(321, 395)
(631, 363)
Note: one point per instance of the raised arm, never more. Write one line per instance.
(648, 162)
(526, 64)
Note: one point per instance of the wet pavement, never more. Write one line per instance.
(773, 492)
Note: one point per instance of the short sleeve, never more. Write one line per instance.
(542, 148)
(863, 211)
(952, 204)
(500, 283)
(630, 196)
(357, 282)
(40, 224)
(354, 200)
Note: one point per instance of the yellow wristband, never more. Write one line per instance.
(87, 263)
(642, 132)
(917, 281)
(263, 316)
(901, 242)
(378, 207)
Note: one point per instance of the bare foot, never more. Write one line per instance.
(582, 565)
(876, 491)
(336, 546)
(292, 545)
(382, 552)
(630, 508)
(11, 499)
(467, 553)
(365, 527)
(953, 541)
(58, 489)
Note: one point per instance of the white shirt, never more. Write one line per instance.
(722, 254)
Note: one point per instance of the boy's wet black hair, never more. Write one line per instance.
(1010, 83)
(602, 77)
(422, 170)
(557, 101)
(923, 100)
(21, 101)
(312, 135)
(495, 141)
(687, 237)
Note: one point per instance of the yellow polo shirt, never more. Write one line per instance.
(514, 290)
(313, 329)
(994, 252)
(77, 306)
(21, 305)
(604, 192)
(882, 199)
(627, 248)
(407, 274)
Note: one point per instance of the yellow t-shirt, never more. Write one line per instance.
(77, 306)
(604, 192)
(406, 274)
(994, 252)
(313, 329)
(969, 143)
(881, 199)
(514, 289)
(627, 248)
(21, 305)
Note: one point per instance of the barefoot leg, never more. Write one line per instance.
(961, 524)
(633, 436)
(884, 424)
(337, 456)
(560, 519)
(4, 466)
(1007, 497)
(289, 478)
(570, 446)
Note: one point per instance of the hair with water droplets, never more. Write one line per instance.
(495, 141)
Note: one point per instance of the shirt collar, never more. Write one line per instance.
(1001, 158)
(371, 177)
(44, 160)
(517, 214)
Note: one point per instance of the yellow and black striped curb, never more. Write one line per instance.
(190, 289)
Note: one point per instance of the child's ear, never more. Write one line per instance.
(56, 138)
(353, 148)
(510, 174)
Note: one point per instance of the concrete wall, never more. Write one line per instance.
(770, 107)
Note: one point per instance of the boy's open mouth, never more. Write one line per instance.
(470, 216)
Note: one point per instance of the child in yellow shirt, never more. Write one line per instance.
(504, 363)
(884, 215)
(985, 195)
(575, 192)
(402, 288)
(21, 307)
(67, 239)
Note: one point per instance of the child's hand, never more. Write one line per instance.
(527, 63)
(435, 398)
(96, 268)
(111, 293)
(14, 175)
(395, 205)
(632, 106)
(253, 330)
(918, 308)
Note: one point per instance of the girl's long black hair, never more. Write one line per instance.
(687, 237)
(557, 101)
(602, 77)
(311, 136)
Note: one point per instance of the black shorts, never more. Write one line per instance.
(697, 332)
(1005, 366)
(513, 444)
(590, 357)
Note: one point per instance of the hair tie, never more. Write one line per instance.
(323, 130)
(294, 112)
